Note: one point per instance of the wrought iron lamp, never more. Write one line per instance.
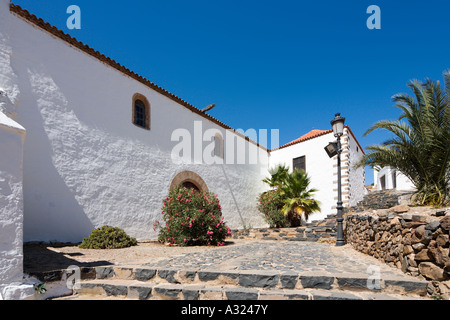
(334, 148)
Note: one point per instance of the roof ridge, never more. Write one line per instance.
(305, 137)
(39, 22)
(320, 133)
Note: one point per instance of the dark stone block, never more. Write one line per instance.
(264, 280)
(232, 275)
(358, 283)
(144, 274)
(241, 294)
(143, 292)
(104, 272)
(208, 275)
(288, 280)
(440, 213)
(190, 294)
(168, 275)
(115, 290)
(190, 275)
(317, 282)
(168, 292)
(433, 226)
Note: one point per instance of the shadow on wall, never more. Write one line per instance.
(232, 194)
(51, 211)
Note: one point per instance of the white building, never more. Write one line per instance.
(388, 178)
(99, 148)
(307, 153)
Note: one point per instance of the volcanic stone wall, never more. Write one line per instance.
(415, 240)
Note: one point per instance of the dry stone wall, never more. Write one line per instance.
(415, 240)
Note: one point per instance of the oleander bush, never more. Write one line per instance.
(191, 218)
(108, 237)
(270, 204)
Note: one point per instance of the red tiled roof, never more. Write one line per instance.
(314, 133)
(31, 18)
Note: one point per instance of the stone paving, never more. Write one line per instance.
(280, 256)
(254, 270)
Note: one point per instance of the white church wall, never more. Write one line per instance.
(318, 166)
(86, 164)
(12, 136)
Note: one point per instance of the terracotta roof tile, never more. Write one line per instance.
(314, 133)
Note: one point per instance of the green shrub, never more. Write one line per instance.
(192, 218)
(270, 204)
(108, 237)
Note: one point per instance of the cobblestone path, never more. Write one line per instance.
(280, 256)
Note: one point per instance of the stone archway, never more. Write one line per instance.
(189, 179)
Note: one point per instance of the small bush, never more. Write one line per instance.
(108, 237)
(192, 218)
(270, 204)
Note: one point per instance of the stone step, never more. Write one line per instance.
(138, 290)
(250, 279)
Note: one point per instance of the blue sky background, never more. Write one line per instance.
(287, 65)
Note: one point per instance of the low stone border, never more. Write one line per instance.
(323, 230)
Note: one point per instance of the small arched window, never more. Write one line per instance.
(141, 111)
(218, 145)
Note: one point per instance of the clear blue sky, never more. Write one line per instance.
(287, 65)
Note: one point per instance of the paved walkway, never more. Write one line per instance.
(281, 256)
(252, 270)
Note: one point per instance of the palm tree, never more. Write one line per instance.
(293, 188)
(298, 198)
(420, 148)
(277, 176)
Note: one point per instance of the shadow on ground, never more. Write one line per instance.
(39, 258)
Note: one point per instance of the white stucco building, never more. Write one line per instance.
(388, 178)
(92, 143)
(307, 153)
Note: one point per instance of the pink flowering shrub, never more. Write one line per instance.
(191, 217)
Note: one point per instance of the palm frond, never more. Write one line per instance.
(420, 143)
